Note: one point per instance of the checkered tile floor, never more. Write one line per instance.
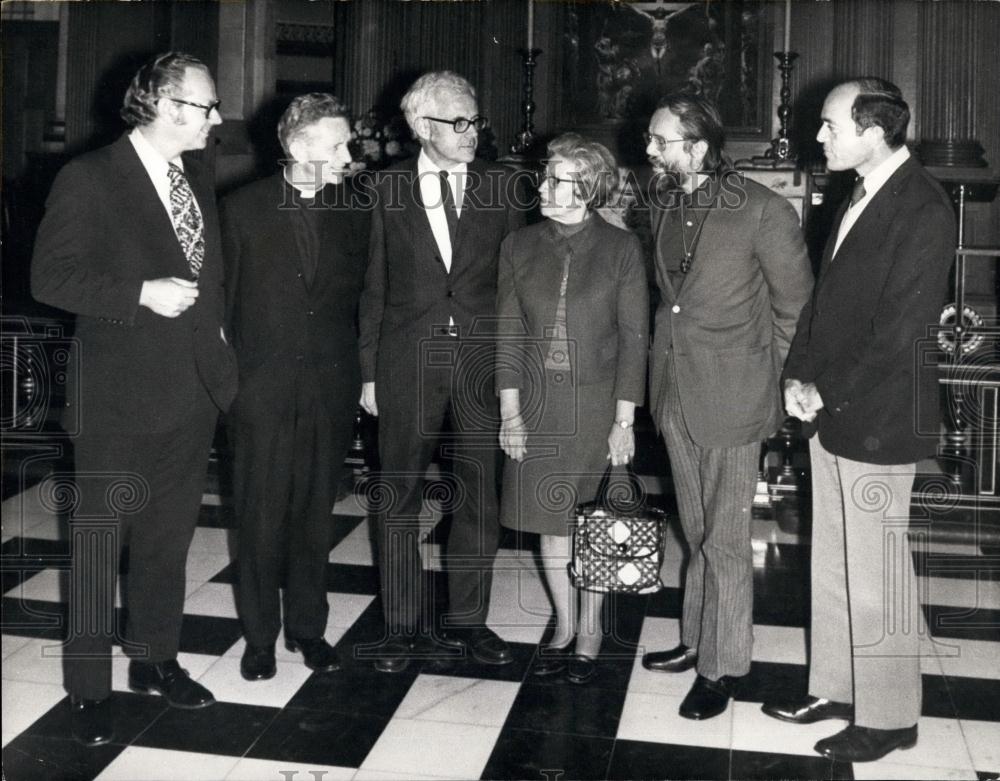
(475, 721)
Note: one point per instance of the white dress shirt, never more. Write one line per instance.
(872, 184)
(157, 166)
(430, 193)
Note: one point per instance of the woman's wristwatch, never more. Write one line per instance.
(624, 424)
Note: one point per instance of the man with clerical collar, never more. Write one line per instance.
(295, 256)
(733, 275)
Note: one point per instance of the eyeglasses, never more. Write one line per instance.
(208, 109)
(552, 181)
(661, 142)
(462, 124)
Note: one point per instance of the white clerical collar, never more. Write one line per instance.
(309, 191)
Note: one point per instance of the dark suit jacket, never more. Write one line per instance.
(284, 330)
(407, 289)
(732, 322)
(607, 307)
(859, 338)
(105, 231)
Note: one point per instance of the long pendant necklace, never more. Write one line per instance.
(689, 250)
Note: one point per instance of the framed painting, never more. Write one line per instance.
(621, 57)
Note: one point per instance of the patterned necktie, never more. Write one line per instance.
(448, 202)
(859, 191)
(187, 219)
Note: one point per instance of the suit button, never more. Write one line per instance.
(675, 309)
(300, 357)
(299, 275)
(311, 312)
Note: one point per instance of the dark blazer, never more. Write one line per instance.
(859, 337)
(607, 307)
(407, 289)
(105, 231)
(731, 323)
(284, 329)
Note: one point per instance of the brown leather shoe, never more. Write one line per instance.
(808, 710)
(675, 660)
(865, 744)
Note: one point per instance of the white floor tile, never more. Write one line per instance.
(223, 679)
(208, 540)
(24, 703)
(12, 643)
(754, 731)
(37, 661)
(458, 700)
(355, 548)
(779, 644)
(49, 585)
(351, 505)
(887, 768)
(654, 718)
(282, 770)
(205, 566)
(212, 599)
(969, 658)
(659, 634)
(983, 741)
(389, 775)
(25, 515)
(432, 748)
(136, 762)
(962, 592)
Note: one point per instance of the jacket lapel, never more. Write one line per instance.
(658, 222)
(146, 206)
(415, 213)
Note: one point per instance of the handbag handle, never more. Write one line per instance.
(601, 497)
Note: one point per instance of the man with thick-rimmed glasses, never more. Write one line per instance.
(130, 244)
(426, 363)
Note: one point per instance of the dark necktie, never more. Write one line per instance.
(859, 190)
(448, 203)
(187, 219)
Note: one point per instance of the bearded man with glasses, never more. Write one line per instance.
(733, 275)
(427, 323)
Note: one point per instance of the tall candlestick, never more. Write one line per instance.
(531, 25)
(788, 26)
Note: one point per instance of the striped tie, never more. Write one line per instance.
(187, 219)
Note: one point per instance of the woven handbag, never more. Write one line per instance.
(618, 542)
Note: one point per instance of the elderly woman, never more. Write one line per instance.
(571, 363)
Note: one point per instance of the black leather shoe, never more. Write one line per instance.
(580, 669)
(864, 744)
(393, 655)
(258, 664)
(318, 654)
(808, 710)
(675, 660)
(170, 680)
(92, 722)
(485, 645)
(549, 660)
(708, 698)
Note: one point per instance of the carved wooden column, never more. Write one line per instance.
(862, 44)
(952, 62)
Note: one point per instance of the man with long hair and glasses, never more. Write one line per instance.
(733, 275)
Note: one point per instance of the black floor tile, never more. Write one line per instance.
(341, 526)
(30, 758)
(634, 759)
(209, 634)
(133, 714)
(319, 737)
(936, 697)
(360, 690)
(963, 623)
(987, 775)
(665, 603)
(976, 699)
(769, 681)
(756, 764)
(570, 708)
(526, 754)
(224, 728)
(957, 566)
(48, 553)
(351, 579)
(33, 618)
